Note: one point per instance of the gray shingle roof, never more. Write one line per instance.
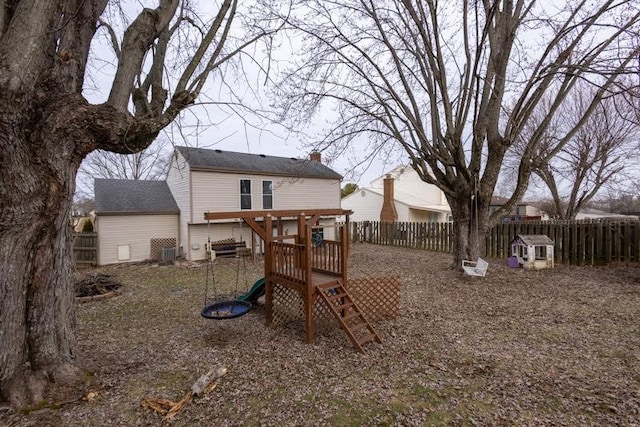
(231, 161)
(533, 239)
(133, 196)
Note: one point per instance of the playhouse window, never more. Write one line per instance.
(522, 252)
(541, 252)
(245, 194)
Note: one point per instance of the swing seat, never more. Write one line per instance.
(226, 310)
(475, 268)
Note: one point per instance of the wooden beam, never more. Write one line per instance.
(275, 213)
(313, 220)
(251, 222)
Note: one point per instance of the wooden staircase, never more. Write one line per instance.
(346, 311)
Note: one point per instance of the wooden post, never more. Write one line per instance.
(344, 255)
(268, 299)
(310, 295)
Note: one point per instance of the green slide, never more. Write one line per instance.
(256, 291)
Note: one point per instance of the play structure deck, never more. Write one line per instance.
(313, 267)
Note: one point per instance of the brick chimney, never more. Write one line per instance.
(388, 213)
(316, 156)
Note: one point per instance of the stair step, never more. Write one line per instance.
(358, 326)
(346, 311)
(343, 306)
(366, 339)
(354, 315)
(336, 297)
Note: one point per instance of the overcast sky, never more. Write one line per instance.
(226, 127)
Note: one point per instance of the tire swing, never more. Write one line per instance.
(217, 308)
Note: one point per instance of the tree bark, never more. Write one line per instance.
(46, 129)
(36, 287)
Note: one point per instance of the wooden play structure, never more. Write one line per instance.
(309, 269)
(533, 251)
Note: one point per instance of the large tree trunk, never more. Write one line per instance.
(37, 175)
(470, 226)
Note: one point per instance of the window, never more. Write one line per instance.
(267, 194)
(245, 194)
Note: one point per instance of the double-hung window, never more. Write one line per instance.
(245, 194)
(267, 194)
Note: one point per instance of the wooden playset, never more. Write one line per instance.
(308, 270)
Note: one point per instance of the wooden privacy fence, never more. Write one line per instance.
(433, 236)
(85, 249)
(584, 242)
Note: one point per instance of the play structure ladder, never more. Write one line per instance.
(345, 310)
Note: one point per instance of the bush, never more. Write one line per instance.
(87, 227)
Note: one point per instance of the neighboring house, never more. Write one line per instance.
(523, 211)
(399, 195)
(201, 180)
(589, 213)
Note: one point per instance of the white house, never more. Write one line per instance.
(399, 195)
(202, 180)
(590, 213)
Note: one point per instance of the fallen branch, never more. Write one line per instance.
(204, 385)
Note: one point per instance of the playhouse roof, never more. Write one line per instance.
(532, 240)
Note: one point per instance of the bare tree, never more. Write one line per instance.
(148, 164)
(435, 77)
(594, 157)
(47, 127)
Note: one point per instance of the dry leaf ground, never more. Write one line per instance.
(550, 347)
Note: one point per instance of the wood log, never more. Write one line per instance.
(200, 386)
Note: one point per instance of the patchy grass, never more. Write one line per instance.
(551, 347)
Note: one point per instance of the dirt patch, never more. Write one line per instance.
(548, 347)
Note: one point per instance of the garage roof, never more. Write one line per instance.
(123, 196)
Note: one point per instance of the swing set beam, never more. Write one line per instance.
(250, 217)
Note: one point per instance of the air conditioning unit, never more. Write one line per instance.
(168, 254)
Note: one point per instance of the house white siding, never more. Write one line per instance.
(365, 204)
(407, 182)
(131, 235)
(179, 182)
(220, 192)
(415, 200)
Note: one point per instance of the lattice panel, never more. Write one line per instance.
(377, 297)
(158, 244)
(288, 308)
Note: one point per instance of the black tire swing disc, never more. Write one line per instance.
(226, 310)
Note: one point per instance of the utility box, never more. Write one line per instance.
(168, 254)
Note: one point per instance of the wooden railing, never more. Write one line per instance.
(288, 261)
(327, 258)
